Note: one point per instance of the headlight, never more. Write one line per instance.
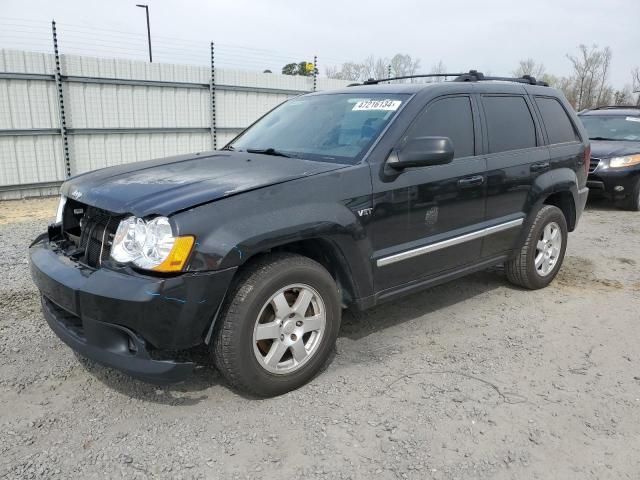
(61, 204)
(150, 245)
(618, 162)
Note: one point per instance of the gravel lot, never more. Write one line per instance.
(474, 379)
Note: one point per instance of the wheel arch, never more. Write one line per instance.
(558, 187)
(565, 202)
(324, 251)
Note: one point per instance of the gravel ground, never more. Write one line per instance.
(473, 379)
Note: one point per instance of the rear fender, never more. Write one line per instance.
(545, 185)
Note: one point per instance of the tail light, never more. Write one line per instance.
(587, 159)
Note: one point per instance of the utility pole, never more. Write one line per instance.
(146, 7)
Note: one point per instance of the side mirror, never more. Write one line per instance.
(422, 152)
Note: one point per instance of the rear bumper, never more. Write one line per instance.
(119, 318)
(583, 194)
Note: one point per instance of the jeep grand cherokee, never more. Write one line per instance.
(347, 198)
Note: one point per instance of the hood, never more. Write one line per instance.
(608, 149)
(168, 185)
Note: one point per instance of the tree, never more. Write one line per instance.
(403, 65)
(290, 69)
(303, 68)
(348, 71)
(635, 83)
(590, 74)
(529, 67)
(375, 67)
(438, 69)
(624, 96)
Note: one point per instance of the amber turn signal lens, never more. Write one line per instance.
(178, 256)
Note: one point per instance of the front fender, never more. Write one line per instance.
(231, 231)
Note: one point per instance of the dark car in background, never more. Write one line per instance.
(615, 153)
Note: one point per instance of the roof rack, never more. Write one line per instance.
(373, 81)
(470, 76)
(614, 107)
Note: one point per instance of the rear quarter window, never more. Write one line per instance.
(559, 127)
(510, 124)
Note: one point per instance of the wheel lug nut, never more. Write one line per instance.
(281, 337)
(291, 315)
(298, 323)
(294, 337)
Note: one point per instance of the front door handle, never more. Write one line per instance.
(471, 181)
(538, 167)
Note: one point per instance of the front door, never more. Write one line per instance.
(421, 215)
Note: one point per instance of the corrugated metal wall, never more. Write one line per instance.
(27, 159)
(101, 111)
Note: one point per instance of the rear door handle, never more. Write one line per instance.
(471, 181)
(538, 167)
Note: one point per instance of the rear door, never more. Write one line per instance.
(565, 146)
(516, 156)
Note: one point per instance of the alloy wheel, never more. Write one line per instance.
(548, 249)
(289, 329)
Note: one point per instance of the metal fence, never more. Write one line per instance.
(61, 115)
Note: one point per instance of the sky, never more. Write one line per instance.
(488, 35)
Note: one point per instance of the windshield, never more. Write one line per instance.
(335, 128)
(612, 127)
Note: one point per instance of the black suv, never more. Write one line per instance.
(615, 160)
(339, 199)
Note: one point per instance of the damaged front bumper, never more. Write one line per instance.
(122, 318)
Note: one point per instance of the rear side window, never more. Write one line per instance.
(509, 123)
(448, 117)
(558, 125)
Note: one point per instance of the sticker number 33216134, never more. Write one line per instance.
(390, 105)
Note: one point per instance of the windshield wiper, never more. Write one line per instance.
(603, 138)
(268, 151)
(229, 147)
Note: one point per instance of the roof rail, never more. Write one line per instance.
(373, 81)
(475, 76)
(613, 107)
(470, 76)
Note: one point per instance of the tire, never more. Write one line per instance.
(241, 349)
(632, 202)
(522, 270)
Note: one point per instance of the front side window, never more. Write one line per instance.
(336, 128)
(448, 117)
(509, 123)
(612, 127)
(559, 127)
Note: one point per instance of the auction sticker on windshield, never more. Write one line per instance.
(389, 105)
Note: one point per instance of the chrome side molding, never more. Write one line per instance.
(398, 257)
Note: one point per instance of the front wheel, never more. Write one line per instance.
(539, 260)
(278, 326)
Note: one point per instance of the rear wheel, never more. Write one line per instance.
(539, 260)
(279, 325)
